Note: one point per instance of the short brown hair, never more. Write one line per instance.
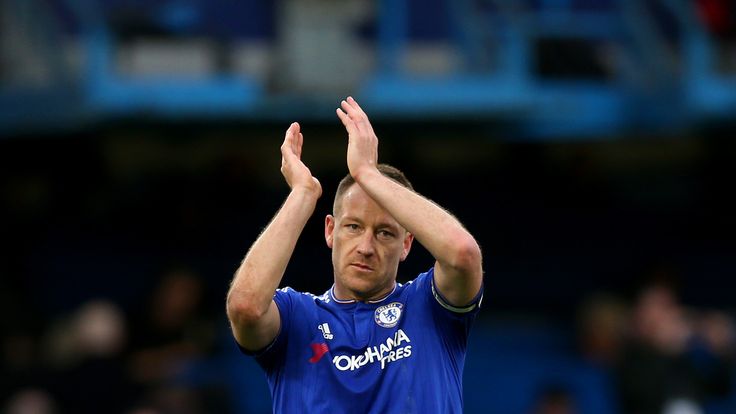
(385, 169)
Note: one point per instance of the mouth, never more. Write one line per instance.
(362, 267)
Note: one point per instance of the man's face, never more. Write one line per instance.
(367, 245)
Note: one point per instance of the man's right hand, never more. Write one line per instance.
(297, 174)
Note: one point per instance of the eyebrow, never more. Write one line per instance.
(380, 225)
(351, 218)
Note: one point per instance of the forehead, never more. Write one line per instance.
(356, 203)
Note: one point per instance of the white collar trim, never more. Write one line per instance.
(332, 295)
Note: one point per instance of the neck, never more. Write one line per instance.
(343, 293)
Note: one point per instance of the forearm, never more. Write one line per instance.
(436, 229)
(263, 267)
(458, 272)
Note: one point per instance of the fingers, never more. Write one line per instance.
(355, 105)
(300, 142)
(343, 116)
(291, 143)
(351, 106)
(288, 136)
(294, 141)
(296, 145)
(354, 112)
(346, 121)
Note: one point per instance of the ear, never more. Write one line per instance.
(329, 229)
(408, 239)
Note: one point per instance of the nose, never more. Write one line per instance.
(365, 245)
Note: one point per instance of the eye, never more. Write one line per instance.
(385, 234)
(352, 227)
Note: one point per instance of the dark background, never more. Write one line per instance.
(103, 211)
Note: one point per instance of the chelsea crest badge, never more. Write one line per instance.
(388, 316)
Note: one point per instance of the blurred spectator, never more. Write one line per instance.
(23, 378)
(717, 332)
(658, 370)
(30, 401)
(87, 354)
(602, 322)
(23, 374)
(554, 399)
(172, 400)
(169, 338)
(173, 330)
(19, 367)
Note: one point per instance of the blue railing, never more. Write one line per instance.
(648, 75)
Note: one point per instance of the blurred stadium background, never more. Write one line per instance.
(588, 144)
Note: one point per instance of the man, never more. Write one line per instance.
(369, 344)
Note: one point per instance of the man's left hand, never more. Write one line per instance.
(362, 141)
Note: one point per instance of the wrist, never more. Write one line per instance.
(307, 193)
(364, 173)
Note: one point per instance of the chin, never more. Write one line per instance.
(359, 284)
(365, 287)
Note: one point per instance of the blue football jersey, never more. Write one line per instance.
(400, 354)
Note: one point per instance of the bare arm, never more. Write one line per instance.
(458, 272)
(254, 316)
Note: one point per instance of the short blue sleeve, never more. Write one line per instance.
(457, 318)
(273, 352)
